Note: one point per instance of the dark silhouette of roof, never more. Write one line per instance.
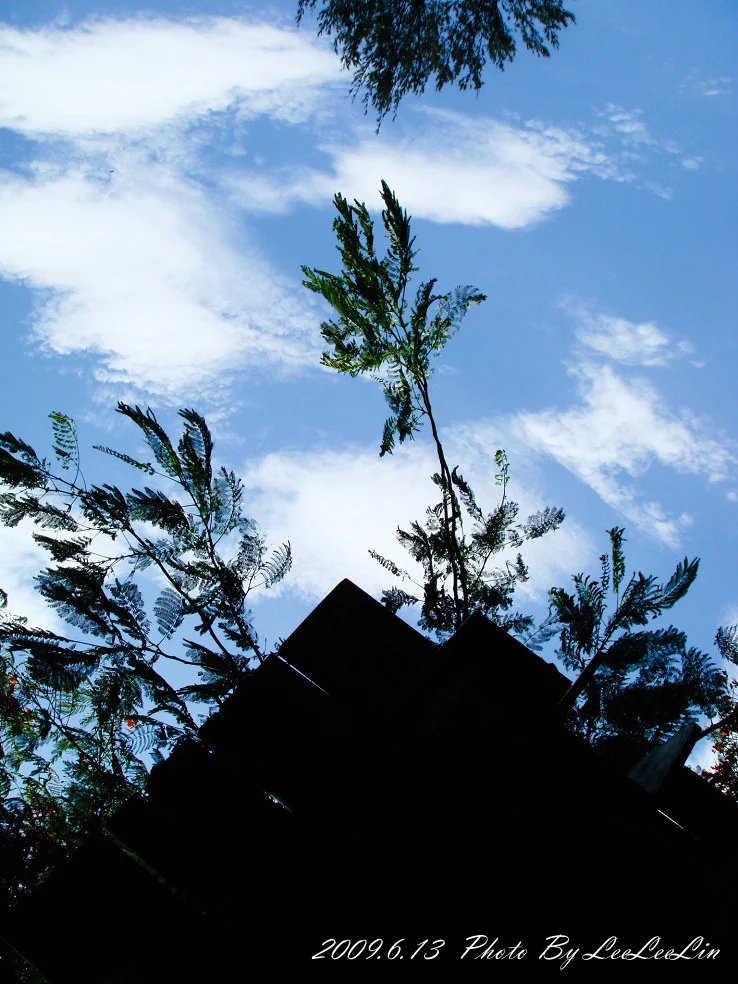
(367, 785)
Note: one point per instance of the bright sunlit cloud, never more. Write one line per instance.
(112, 75)
(144, 272)
(334, 506)
(459, 168)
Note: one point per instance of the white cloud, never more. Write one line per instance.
(729, 615)
(334, 506)
(716, 85)
(21, 559)
(633, 133)
(459, 168)
(620, 429)
(625, 341)
(144, 271)
(629, 123)
(132, 260)
(480, 173)
(477, 172)
(115, 75)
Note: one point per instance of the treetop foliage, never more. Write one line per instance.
(488, 591)
(378, 330)
(395, 48)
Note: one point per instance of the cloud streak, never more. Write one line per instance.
(618, 430)
(122, 75)
(133, 259)
(457, 168)
(643, 343)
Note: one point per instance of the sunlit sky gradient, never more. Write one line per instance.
(166, 173)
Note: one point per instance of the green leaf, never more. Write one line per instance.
(152, 506)
(65, 445)
(168, 612)
(195, 453)
(389, 565)
(156, 438)
(61, 550)
(141, 465)
(467, 496)
(618, 558)
(679, 583)
(543, 522)
(278, 565)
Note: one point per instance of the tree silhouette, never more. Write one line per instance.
(634, 686)
(82, 713)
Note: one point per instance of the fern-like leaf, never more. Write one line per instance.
(543, 522)
(65, 445)
(143, 466)
(278, 565)
(395, 598)
(617, 539)
(389, 565)
(156, 438)
(168, 612)
(726, 640)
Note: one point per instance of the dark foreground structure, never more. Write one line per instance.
(370, 806)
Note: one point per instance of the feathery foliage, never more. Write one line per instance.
(379, 330)
(487, 590)
(395, 48)
(635, 686)
(82, 712)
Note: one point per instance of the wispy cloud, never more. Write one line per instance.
(625, 341)
(21, 559)
(471, 170)
(716, 85)
(629, 125)
(133, 258)
(480, 173)
(615, 433)
(729, 615)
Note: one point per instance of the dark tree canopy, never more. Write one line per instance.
(635, 686)
(84, 711)
(395, 47)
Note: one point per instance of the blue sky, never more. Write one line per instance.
(165, 173)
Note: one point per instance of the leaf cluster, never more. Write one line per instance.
(435, 546)
(395, 48)
(379, 331)
(638, 685)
